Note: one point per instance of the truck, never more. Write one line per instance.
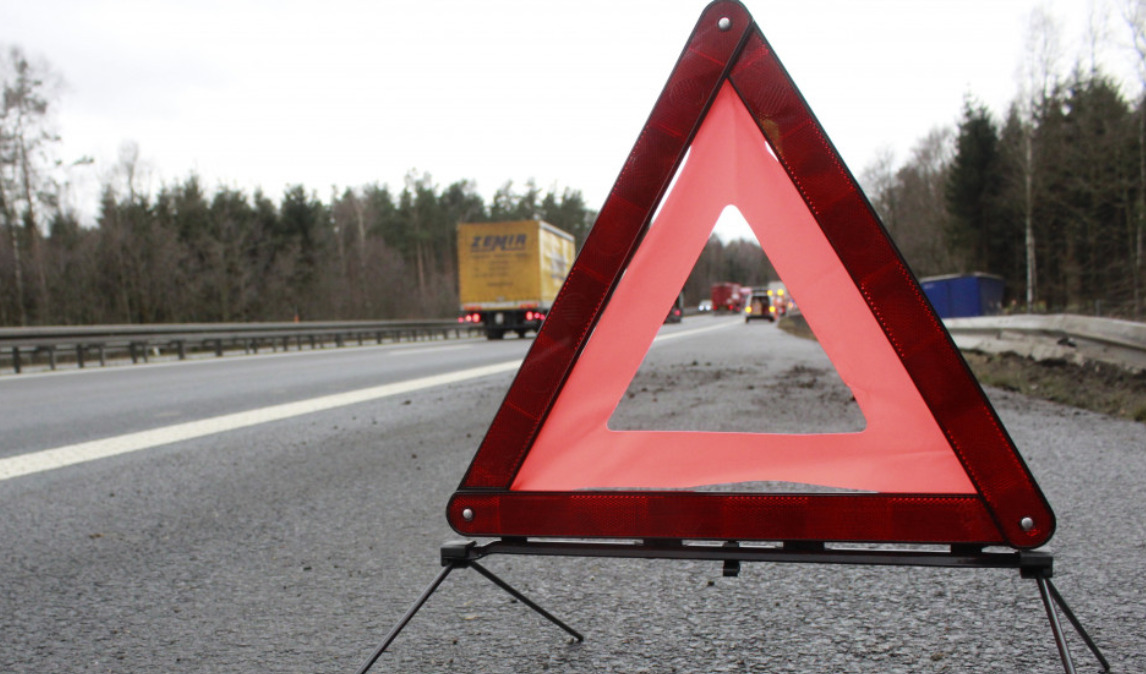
(779, 300)
(729, 297)
(964, 295)
(509, 273)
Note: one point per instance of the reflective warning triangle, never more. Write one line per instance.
(933, 464)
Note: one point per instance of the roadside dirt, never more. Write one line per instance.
(1095, 386)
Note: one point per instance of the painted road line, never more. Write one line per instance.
(692, 332)
(50, 459)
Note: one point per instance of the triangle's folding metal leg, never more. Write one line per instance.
(1050, 596)
(406, 618)
(460, 555)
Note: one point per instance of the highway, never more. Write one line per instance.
(280, 512)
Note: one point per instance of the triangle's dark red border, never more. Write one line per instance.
(1009, 507)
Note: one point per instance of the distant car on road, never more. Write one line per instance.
(705, 306)
(677, 312)
(760, 306)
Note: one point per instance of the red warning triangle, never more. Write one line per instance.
(933, 464)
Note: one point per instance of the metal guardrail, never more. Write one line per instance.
(1067, 337)
(21, 346)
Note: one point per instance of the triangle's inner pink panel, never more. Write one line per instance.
(901, 448)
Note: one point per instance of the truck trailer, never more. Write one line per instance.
(964, 295)
(509, 273)
(729, 297)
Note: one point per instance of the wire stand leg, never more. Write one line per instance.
(525, 600)
(406, 618)
(1056, 627)
(1077, 625)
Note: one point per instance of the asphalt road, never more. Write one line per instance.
(293, 545)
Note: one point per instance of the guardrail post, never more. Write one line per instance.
(52, 357)
(181, 347)
(16, 359)
(102, 358)
(219, 348)
(80, 355)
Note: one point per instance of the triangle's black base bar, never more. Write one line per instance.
(1038, 566)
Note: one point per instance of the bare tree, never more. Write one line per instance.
(1096, 34)
(132, 171)
(1038, 77)
(878, 182)
(1134, 13)
(910, 201)
(26, 139)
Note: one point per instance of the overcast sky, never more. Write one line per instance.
(271, 93)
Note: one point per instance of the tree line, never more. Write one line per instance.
(1051, 195)
(189, 256)
(1053, 202)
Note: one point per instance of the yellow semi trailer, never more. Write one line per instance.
(509, 273)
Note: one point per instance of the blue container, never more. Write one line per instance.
(962, 295)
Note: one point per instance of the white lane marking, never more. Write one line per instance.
(428, 349)
(696, 331)
(49, 459)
